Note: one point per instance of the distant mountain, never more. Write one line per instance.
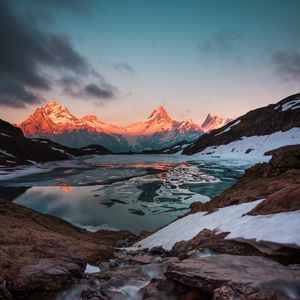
(55, 122)
(214, 122)
(16, 149)
(254, 133)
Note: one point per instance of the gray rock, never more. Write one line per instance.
(237, 277)
(49, 273)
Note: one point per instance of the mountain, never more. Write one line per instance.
(214, 122)
(254, 133)
(16, 149)
(55, 122)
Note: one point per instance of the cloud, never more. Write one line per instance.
(80, 6)
(100, 91)
(103, 91)
(222, 43)
(124, 68)
(287, 64)
(30, 57)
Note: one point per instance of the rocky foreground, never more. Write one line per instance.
(40, 252)
(42, 257)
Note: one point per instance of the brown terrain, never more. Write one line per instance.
(41, 252)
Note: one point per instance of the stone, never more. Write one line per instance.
(234, 277)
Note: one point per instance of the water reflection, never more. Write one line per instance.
(133, 196)
(66, 188)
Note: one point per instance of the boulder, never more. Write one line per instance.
(237, 277)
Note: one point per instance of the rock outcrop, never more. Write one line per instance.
(237, 277)
(41, 252)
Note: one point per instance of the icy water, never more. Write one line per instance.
(130, 192)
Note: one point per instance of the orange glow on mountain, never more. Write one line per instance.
(54, 118)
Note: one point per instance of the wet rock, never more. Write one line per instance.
(90, 294)
(143, 258)
(207, 239)
(237, 277)
(4, 292)
(162, 289)
(159, 288)
(49, 274)
(157, 250)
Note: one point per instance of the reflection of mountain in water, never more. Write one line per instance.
(123, 192)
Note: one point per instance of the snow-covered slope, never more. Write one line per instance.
(214, 122)
(283, 228)
(254, 133)
(254, 146)
(158, 131)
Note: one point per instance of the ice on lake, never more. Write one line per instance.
(121, 192)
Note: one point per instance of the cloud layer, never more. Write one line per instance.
(31, 59)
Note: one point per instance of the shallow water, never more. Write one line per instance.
(130, 192)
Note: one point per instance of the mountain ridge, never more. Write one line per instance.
(158, 130)
(264, 128)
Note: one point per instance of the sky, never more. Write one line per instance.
(120, 59)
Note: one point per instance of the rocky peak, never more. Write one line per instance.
(159, 114)
(54, 107)
(213, 122)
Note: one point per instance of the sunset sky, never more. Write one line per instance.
(119, 59)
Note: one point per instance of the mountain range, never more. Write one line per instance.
(55, 122)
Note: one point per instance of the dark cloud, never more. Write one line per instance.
(13, 94)
(123, 68)
(70, 85)
(99, 91)
(222, 43)
(80, 6)
(28, 55)
(287, 64)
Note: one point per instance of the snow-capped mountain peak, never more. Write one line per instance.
(160, 114)
(54, 121)
(57, 113)
(213, 122)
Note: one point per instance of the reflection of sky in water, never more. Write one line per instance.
(137, 196)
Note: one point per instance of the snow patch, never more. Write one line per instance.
(229, 127)
(4, 134)
(6, 153)
(294, 104)
(89, 269)
(283, 228)
(254, 146)
(56, 149)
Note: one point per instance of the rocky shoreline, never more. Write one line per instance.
(43, 257)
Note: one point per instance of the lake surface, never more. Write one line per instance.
(128, 192)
